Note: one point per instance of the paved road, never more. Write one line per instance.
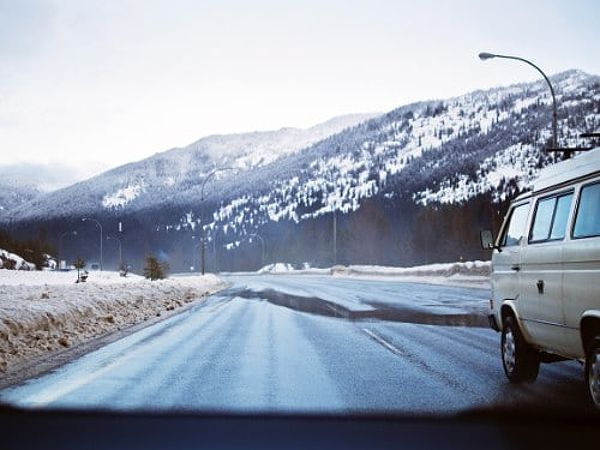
(308, 343)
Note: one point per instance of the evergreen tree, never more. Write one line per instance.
(154, 269)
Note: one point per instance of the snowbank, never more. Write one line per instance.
(476, 268)
(474, 274)
(286, 268)
(41, 312)
(277, 268)
(465, 274)
(291, 269)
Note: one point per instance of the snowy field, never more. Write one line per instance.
(45, 311)
(465, 274)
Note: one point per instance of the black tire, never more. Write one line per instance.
(520, 361)
(592, 371)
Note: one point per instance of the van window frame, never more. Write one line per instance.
(508, 219)
(576, 213)
(555, 195)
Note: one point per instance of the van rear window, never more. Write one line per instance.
(587, 222)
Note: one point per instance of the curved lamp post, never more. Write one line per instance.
(74, 233)
(208, 177)
(484, 56)
(101, 237)
(108, 237)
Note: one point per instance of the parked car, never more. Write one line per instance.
(545, 273)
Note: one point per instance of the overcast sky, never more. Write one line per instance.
(94, 84)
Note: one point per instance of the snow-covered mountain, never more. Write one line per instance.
(435, 152)
(423, 176)
(146, 183)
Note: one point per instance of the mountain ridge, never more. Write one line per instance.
(465, 156)
(197, 155)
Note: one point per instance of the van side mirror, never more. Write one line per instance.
(487, 240)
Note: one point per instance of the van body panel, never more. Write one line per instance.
(504, 278)
(581, 284)
(541, 294)
(506, 264)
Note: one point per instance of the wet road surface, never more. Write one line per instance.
(309, 344)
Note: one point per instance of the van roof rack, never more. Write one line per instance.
(568, 151)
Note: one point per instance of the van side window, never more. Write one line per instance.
(587, 222)
(561, 217)
(515, 230)
(550, 221)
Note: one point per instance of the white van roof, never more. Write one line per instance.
(582, 165)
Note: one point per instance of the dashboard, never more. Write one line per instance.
(61, 429)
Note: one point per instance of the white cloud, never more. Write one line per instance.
(48, 177)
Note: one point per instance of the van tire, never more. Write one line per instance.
(592, 371)
(520, 361)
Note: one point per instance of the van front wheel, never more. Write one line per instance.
(521, 362)
(592, 371)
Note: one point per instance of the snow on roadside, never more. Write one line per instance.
(466, 274)
(277, 268)
(41, 312)
(475, 268)
(10, 260)
(472, 274)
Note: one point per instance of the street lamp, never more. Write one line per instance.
(208, 177)
(101, 238)
(120, 249)
(74, 233)
(484, 56)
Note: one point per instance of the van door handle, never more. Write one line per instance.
(515, 268)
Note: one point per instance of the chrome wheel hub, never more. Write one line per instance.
(508, 350)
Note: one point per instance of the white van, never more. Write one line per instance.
(546, 273)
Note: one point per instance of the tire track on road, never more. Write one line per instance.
(404, 352)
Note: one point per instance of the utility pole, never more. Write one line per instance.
(334, 237)
(202, 236)
(120, 249)
(85, 219)
(262, 244)
(60, 252)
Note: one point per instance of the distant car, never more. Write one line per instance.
(94, 266)
(545, 272)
